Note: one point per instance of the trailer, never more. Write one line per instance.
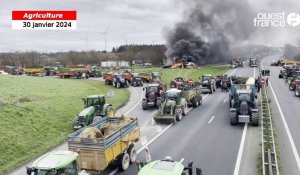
(95, 154)
(192, 94)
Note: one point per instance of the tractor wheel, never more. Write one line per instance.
(118, 85)
(75, 121)
(110, 112)
(292, 87)
(134, 84)
(280, 76)
(195, 102)
(124, 161)
(114, 84)
(132, 153)
(158, 103)
(200, 100)
(96, 119)
(233, 118)
(144, 104)
(106, 82)
(178, 114)
(184, 110)
(254, 119)
(297, 93)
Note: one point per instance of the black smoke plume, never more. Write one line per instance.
(210, 30)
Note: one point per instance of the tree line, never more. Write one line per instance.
(147, 53)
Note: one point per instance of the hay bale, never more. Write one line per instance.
(91, 133)
(108, 129)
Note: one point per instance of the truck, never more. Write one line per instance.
(115, 144)
(253, 62)
(95, 108)
(56, 162)
(242, 101)
(173, 107)
(192, 94)
(167, 166)
(236, 62)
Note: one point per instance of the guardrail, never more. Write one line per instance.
(269, 155)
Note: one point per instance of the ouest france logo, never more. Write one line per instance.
(281, 19)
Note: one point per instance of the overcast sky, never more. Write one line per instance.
(128, 21)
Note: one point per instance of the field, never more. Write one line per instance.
(194, 74)
(36, 113)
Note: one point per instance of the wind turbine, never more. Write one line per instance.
(105, 34)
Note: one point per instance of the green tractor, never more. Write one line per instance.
(95, 109)
(56, 162)
(173, 107)
(167, 167)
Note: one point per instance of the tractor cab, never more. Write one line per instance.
(94, 100)
(173, 94)
(56, 163)
(152, 88)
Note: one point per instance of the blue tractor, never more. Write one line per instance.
(119, 81)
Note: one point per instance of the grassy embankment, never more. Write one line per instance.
(36, 113)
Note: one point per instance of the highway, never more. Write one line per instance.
(204, 135)
(286, 114)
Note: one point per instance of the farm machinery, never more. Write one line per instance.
(154, 96)
(208, 83)
(136, 80)
(179, 81)
(95, 108)
(119, 81)
(253, 62)
(242, 102)
(173, 108)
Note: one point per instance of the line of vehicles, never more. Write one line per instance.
(70, 71)
(291, 73)
(101, 139)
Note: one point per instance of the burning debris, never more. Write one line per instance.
(209, 31)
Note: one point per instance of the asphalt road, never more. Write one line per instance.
(206, 137)
(286, 115)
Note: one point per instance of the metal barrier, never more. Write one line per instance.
(269, 155)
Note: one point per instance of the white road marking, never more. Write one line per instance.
(211, 119)
(286, 128)
(242, 144)
(225, 100)
(159, 129)
(154, 138)
(231, 72)
(181, 160)
(134, 106)
(239, 157)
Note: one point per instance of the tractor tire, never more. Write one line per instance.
(158, 103)
(132, 153)
(96, 119)
(233, 118)
(184, 110)
(134, 84)
(195, 102)
(144, 104)
(106, 82)
(254, 119)
(118, 85)
(124, 161)
(297, 93)
(199, 100)
(178, 114)
(114, 84)
(110, 112)
(75, 121)
(292, 87)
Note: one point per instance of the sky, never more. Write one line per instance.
(126, 21)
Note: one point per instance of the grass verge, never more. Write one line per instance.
(36, 113)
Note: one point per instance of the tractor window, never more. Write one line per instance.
(152, 89)
(45, 172)
(69, 170)
(205, 78)
(95, 101)
(244, 97)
